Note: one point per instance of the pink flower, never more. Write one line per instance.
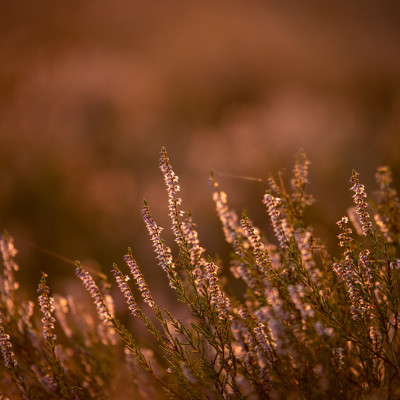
(95, 293)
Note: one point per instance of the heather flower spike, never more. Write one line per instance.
(122, 282)
(299, 182)
(94, 292)
(344, 236)
(387, 213)
(263, 262)
(46, 303)
(8, 285)
(141, 283)
(361, 205)
(228, 218)
(11, 364)
(272, 204)
(171, 181)
(217, 297)
(162, 251)
(6, 349)
(355, 273)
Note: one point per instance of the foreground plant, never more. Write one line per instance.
(307, 327)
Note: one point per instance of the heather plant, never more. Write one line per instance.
(307, 326)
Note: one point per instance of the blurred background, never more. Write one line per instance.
(90, 92)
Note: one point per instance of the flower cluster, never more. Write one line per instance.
(46, 303)
(272, 204)
(299, 182)
(263, 263)
(395, 264)
(344, 236)
(195, 250)
(388, 208)
(307, 246)
(264, 342)
(6, 349)
(338, 357)
(171, 181)
(361, 205)
(364, 268)
(229, 218)
(300, 173)
(357, 276)
(163, 252)
(8, 285)
(125, 289)
(94, 291)
(217, 297)
(138, 276)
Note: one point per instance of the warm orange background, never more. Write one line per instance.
(90, 91)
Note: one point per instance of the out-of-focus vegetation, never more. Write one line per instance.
(90, 91)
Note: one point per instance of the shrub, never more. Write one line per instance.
(307, 327)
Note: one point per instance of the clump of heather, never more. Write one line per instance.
(308, 325)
